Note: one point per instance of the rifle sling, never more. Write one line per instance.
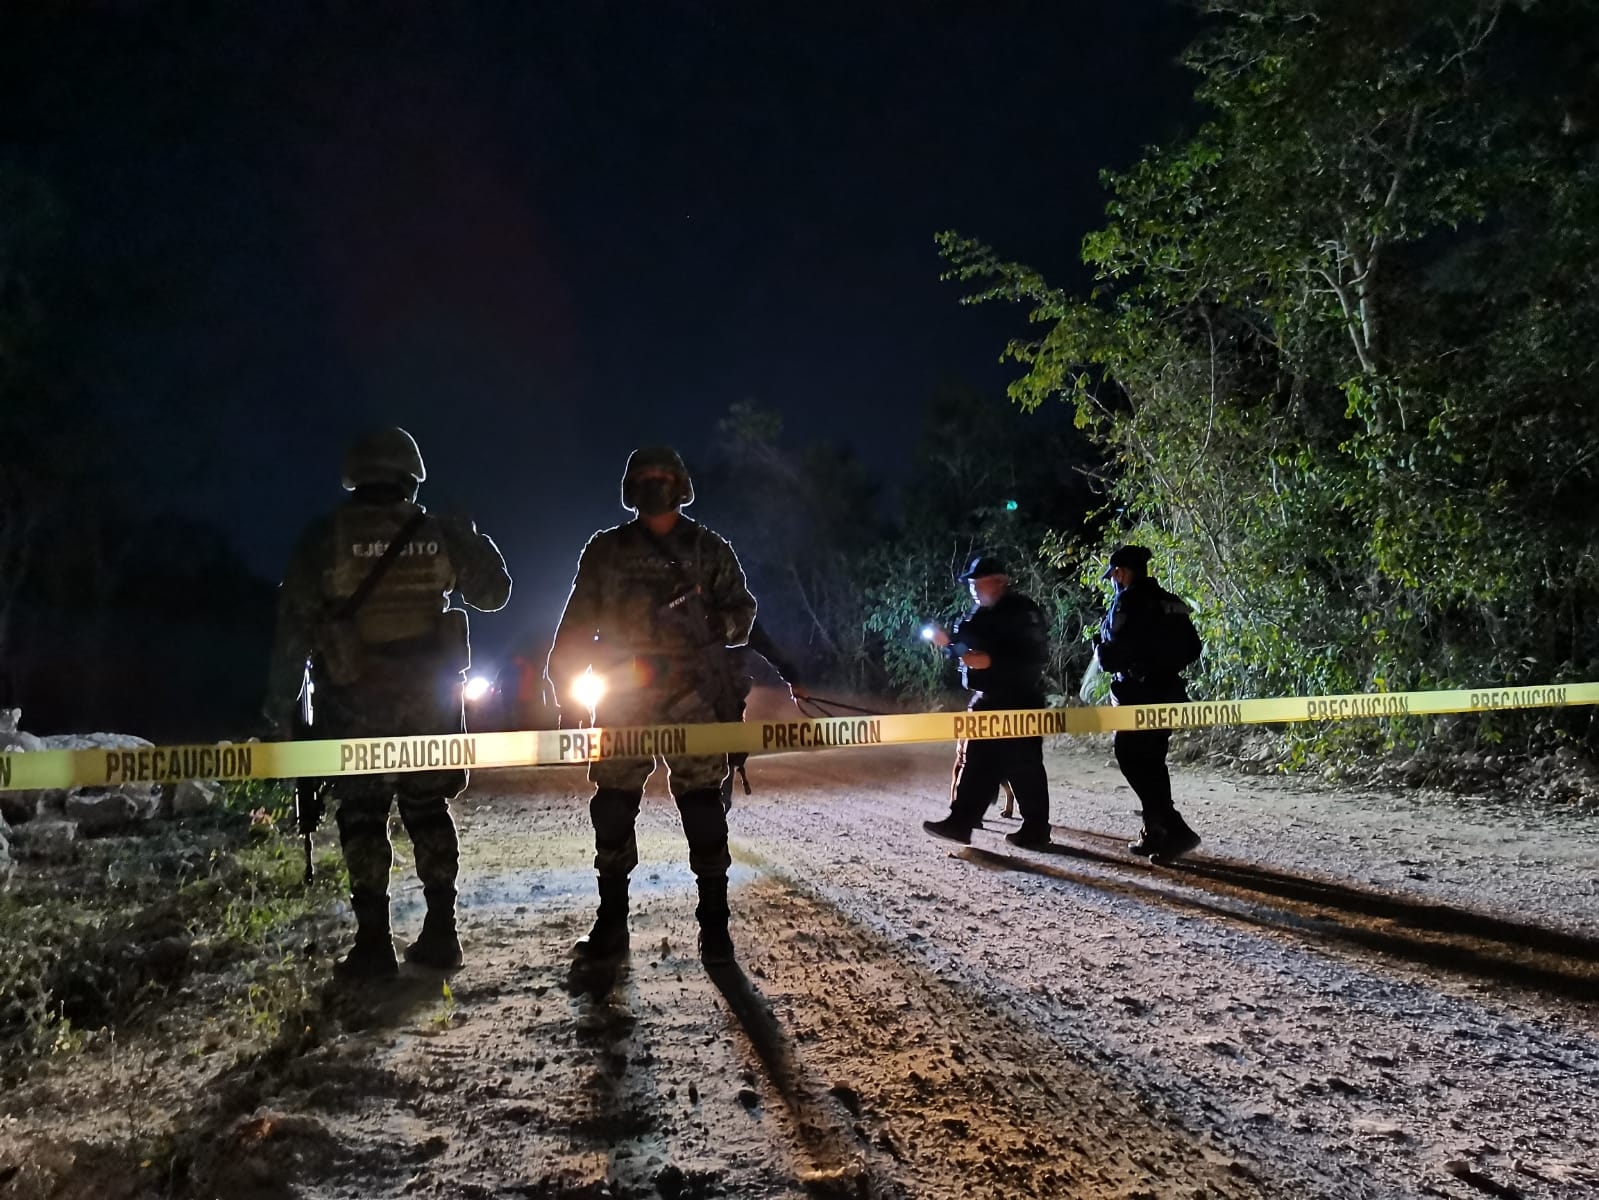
(355, 599)
(380, 568)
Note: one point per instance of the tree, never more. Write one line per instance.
(801, 517)
(1335, 350)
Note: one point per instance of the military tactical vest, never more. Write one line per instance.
(406, 603)
(643, 592)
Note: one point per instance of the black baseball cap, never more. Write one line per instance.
(1136, 557)
(983, 564)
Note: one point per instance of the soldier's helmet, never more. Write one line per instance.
(383, 456)
(656, 458)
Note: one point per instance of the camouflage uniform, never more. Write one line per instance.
(661, 664)
(410, 683)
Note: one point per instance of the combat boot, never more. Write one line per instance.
(608, 938)
(1166, 842)
(372, 956)
(1180, 839)
(438, 946)
(716, 944)
(950, 830)
(1148, 844)
(1031, 837)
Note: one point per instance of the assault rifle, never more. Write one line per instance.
(309, 799)
(715, 684)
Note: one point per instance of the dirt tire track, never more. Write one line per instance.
(1338, 915)
(975, 1103)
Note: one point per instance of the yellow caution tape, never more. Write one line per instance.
(27, 770)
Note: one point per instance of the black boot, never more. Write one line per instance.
(608, 938)
(1180, 839)
(950, 830)
(438, 946)
(372, 956)
(1031, 836)
(716, 944)
(1168, 839)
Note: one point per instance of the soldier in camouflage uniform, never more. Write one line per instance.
(411, 652)
(654, 606)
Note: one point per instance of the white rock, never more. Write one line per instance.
(193, 797)
(93, 741)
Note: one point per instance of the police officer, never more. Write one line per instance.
(654, 606)
(1144, 642)
(390, 664)
(1003, 648)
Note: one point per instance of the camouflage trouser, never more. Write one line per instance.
(695, 781)
(364, 801)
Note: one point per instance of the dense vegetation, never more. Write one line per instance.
(1339, 349)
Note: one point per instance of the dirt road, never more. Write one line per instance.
(1341, 995)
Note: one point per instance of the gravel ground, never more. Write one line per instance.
(1341, 994)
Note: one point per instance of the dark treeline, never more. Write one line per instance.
(847, 574)
(112, 615)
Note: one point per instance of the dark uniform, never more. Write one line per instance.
(1014, 634)
(411, 651)
(1145, 641)
(653, 615)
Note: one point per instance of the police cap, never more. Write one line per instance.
(983, 566)
(1135, 558)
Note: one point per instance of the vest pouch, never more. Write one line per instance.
(455, 646)
(340, 655)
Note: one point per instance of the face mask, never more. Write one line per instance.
(653, 497)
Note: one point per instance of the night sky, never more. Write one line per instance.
(538, 235)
